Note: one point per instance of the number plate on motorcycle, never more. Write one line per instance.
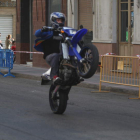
(72, 32)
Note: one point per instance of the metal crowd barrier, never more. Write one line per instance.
(6, 61)
(121, 70)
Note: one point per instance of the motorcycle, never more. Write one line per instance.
(77, 62)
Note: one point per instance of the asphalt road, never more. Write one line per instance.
(25, 114)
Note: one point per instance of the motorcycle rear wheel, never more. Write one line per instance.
(58, 103)
(90, 53)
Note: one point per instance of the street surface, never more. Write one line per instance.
(25, 114)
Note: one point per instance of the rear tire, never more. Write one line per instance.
(58, 104)
(90, 53)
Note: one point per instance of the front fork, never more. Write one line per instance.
(76, 49)
(55, 91)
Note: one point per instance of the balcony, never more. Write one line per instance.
(8, 3)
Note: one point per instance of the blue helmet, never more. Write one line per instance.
(56, 15)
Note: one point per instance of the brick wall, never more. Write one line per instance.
(85, 18)
(18, 32)
(39, 20)
(85, 14)
(39, 14)
(22, 33)
(23, 29)
(64, 9)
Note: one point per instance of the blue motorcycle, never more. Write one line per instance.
(77, 62)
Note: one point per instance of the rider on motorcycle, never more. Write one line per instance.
(51, 47)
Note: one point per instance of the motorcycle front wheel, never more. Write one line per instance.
(90, 53)
(58, 102)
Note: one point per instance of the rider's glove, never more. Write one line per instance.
(55, 26)
(45, 29)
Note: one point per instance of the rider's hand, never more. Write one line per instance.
(45, 28)
(55, 26)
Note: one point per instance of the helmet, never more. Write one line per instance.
(56, 15)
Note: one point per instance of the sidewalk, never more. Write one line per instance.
(25, 71)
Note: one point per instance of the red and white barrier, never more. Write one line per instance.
(138, 56)
(110, 54)
(43, 53)
(28, 52)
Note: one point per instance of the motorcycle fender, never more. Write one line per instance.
(65, 51)
(78, 48)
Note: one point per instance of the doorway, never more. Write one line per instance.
(126, 27)
(6, 27)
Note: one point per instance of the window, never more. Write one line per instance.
(127, 20)
(54, 6)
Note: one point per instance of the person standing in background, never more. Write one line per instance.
(1, 45)
(8, 42)
(14, 49)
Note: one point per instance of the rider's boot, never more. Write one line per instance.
(45, 76)
(57, 80)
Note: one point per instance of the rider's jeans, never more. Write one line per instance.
(53, 61)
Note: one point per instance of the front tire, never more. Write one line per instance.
(90, 53)
(58, 103)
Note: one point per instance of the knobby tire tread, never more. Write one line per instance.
(95, 62)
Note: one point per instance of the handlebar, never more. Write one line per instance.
(46, 29)
(59, 29)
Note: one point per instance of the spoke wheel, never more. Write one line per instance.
(58, 102)
(91, 56)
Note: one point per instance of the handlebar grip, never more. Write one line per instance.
(46, 29)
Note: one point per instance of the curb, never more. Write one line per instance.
(109, 88)
(27, 76)
(94, 86)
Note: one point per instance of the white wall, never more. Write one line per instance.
(136, 37)
(72, 18)
(105, 21)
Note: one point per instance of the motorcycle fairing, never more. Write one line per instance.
(78, 36)
(69, 31)
(75, 39)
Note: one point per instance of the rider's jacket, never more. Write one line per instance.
(45, 42)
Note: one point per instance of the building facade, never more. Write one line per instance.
(32, 15)
(7, 19)
(113, 25)
(116, 26)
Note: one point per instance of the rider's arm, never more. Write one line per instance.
(45, 32)
(39, 33)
